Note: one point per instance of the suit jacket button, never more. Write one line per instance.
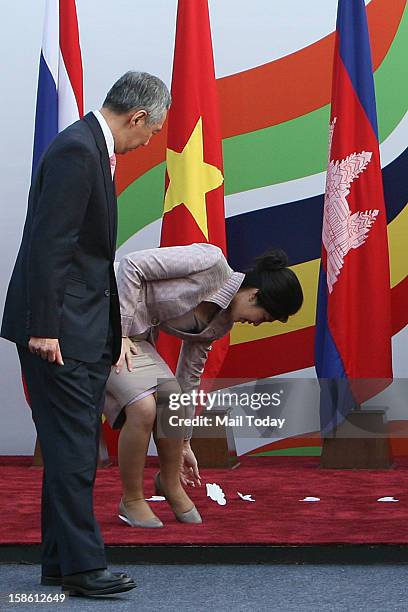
(107, 292)
(155, 321)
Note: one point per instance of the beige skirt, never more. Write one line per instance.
(149, 370)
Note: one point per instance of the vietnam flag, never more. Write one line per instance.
(353, 327)
(194, 187)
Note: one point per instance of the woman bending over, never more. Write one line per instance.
(192, 293)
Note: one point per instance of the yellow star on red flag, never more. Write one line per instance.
(191, 178)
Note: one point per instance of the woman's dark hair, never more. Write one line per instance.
(279, 292)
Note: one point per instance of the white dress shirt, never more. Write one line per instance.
(110, 144)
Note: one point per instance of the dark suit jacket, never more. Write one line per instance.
(63, 284)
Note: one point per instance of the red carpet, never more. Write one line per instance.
(347, 513)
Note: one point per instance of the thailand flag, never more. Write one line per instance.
(353, 327)
(60, 89)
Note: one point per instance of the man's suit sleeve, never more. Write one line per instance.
(67, 179)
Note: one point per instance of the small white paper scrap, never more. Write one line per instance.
(215, 493)
(245, 497)
(156, 498)
(310, 499)
(387, 499)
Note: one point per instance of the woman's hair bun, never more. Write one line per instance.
(275, 259)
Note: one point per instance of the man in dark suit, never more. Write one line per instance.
(62, 311)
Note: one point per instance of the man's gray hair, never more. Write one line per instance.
(139, 90)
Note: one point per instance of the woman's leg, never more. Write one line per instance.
(169, 449)
(132, 449)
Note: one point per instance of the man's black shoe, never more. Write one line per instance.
(57, 580)
(97, 583)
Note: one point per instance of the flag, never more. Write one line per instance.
(353, 324)
(194, 188)
(60, 80)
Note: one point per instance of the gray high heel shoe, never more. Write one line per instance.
(191, 516)
(126, 518)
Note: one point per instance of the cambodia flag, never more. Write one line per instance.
(194, 188)
(353, 326)
(60, 81)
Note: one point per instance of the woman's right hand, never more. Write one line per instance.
(189, 474)
(128, 349)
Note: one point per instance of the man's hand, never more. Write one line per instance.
(128, 349)
(46, 348)
(189, 474)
